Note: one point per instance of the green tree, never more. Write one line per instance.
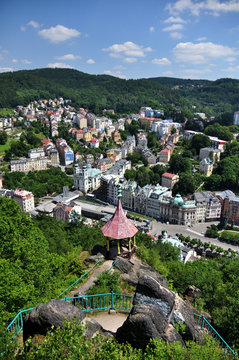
(199, 141)
(185, 185)
(178, 164)
(3, 137)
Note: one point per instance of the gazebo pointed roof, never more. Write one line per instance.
(119, 226)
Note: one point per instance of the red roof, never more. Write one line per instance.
(168, 175)
(164, 150)
(119, 227)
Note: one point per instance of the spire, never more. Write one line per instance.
(119, 191)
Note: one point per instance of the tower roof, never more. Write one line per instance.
(119, 227)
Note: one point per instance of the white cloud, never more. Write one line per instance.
(90, 61)
(200, 53)
(115, 55)
(115, 74)
(34, 24)
(14, 60)
(59, 65)
(130, 60)
(68, 57)
(231, 59)
(152, 29)
(214, 7)
(27, 62)
(58, 33)
(203, 38)
(163, 61)
(6, 69)
(173, 27)
(128, 48)
(174, 19)
(232, 69)
(176, 35)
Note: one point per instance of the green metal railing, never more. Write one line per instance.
(102, 302)
(84, 303)
(202, 321)
(86, 273)
(16, 325)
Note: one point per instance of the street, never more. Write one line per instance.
(196, 231)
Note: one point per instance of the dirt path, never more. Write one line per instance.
(83, 288)
(110, 322)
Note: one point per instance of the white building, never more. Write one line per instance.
(25, 199)
(87, 178)
(236, 118)
(36, 153)
(94, 143)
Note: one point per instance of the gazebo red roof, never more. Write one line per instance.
(119, 227)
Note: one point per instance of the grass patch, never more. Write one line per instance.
(6, 146)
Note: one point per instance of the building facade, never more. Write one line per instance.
(25, 199)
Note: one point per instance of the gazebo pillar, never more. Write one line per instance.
(134, 241)
(118, 244)
(130, 244)
(108, 244)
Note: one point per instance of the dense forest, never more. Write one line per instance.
(97, 92)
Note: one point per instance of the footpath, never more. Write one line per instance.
(109, 321)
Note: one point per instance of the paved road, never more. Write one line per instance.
(196, 231)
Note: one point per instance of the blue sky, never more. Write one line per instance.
(126, 38)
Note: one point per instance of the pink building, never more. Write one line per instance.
(25, 199)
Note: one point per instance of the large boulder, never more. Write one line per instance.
(53, 313)
(93, 258)
(155, 311)
(193, 292)
(144, 322)
(123, 264)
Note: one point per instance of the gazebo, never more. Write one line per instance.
(119, 227)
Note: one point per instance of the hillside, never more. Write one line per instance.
(218, 96)
(97, 92)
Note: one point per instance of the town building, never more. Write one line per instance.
(206, 167)
(211, 153)
(230, 207)
(178, 211)
(164, 156)
(36, 153)
(87, 178)
(66, 212)
(65, 152)
(169, 180)
(94, 143)
(119, 167)
(26, 164)
(236, 118)
(211, 203)
(25, 199)
(116, 136)
(141, 198)
(153, 201)
(215, 142)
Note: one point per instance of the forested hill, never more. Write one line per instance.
(218, 96)
(97, 92)
(90, 91)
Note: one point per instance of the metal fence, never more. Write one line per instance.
(102, 302)
(204, 324)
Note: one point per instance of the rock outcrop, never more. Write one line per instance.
(155, 310)
(53, 313)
